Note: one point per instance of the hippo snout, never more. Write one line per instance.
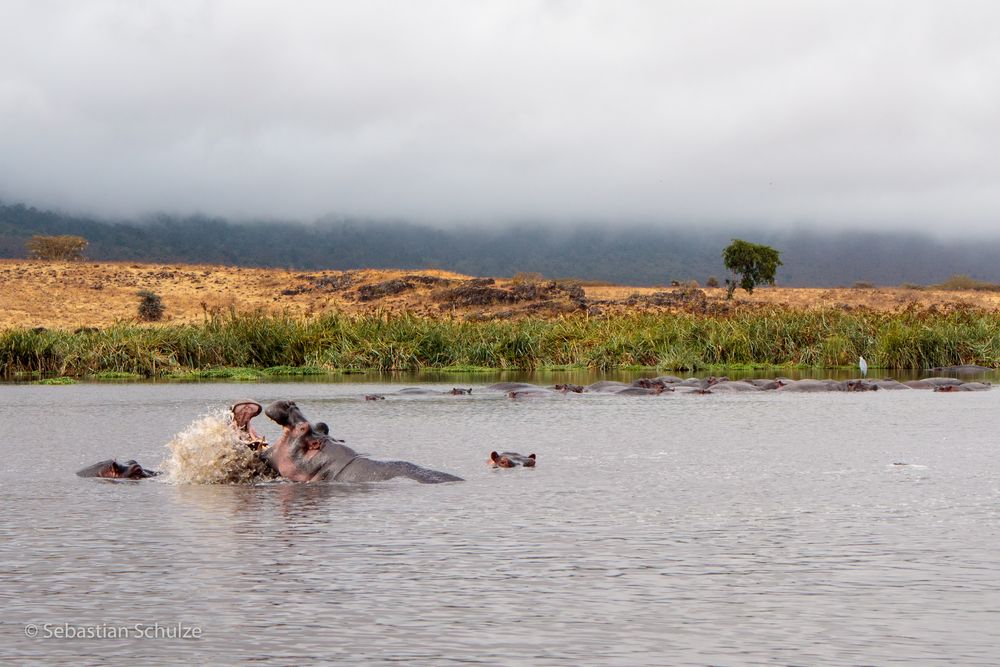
(280, 412)
(511, 460)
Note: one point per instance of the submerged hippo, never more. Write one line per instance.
(305, 454)
(425, 391)
(965, 386)
(111, 469)
(507, 387)
(655, 390)
(534, 392)
(511, 460)
(963, 369)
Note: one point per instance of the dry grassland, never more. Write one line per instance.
(69, 295)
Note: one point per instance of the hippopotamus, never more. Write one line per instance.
(570, 388)
(768, 385)
(607, 385)
(705, 383)
(810, 385)
(424, 391)
(304, 453)
(655, 390)
(507, 387)
(964, 369)
(856, 385)
(889, 383)
(511, 460)
(931, 383)
(965, 386)
(111, 469)
(646, 383)
(734, 386)
(533, 392)
(243, 414)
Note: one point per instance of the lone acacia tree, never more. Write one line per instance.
(754, 264)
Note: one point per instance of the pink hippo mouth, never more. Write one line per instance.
(244, 411)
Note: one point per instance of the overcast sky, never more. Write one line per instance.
(870, 114)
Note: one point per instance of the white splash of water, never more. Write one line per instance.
(209, 451)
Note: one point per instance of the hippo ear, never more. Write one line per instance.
(531, 456)
(494, 456)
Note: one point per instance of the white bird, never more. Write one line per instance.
(863, 365)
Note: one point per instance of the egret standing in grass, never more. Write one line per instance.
(863, 365)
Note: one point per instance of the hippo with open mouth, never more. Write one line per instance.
(304, 453)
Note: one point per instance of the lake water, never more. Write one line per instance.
(723, 529)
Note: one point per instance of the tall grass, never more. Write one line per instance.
(912, 339)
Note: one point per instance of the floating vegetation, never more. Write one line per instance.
(252, 346)
(58, 380)
(295, 370)
(242, 374)
(114, 375)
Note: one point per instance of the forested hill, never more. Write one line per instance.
(633, 256)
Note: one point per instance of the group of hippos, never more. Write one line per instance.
(711, 385)
(306, 452)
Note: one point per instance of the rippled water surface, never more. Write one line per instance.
(742, 529)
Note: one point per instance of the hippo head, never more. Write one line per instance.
(858, 385)
(285, 413)
(647, 383)
(111, 469)
(460, 392)
(511, 460)
(244, 411)
(288, 415)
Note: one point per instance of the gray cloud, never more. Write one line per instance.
(776, 113)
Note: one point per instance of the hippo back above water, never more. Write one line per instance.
(304, 453)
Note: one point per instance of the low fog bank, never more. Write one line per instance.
(634, 255)
(777, 111)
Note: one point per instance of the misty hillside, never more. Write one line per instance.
(630, 256)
